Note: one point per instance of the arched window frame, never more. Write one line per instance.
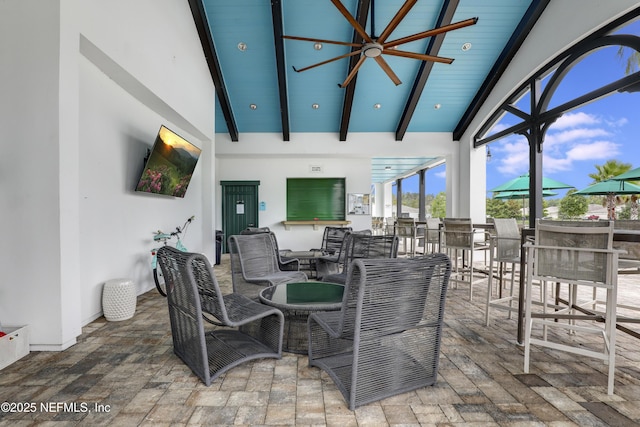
(535, 123)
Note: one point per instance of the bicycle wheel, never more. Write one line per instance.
(159, 279)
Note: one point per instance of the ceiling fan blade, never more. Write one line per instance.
(406, 7)
(355, 24)
(420, 56)
(346, 55)
(353, 72)
(387, 69)
(429, 33)
(308, 39)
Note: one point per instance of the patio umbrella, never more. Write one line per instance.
(520, 194)
(632, 175)
(521, 183)
(610, 188)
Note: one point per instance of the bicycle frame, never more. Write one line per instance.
(159, 236)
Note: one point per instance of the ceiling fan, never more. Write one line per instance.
(373, 46)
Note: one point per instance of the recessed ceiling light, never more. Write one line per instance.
(253, 106)
(437, 106)
(466, 46)
(242, 46)
(315, 106)
(377, 106)
(317, 46)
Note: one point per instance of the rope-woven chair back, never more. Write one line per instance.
(386, 296)
(333, 238)
(382, 247)
(184, 307)
(257, 252)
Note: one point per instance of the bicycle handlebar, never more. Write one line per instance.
(159, 236)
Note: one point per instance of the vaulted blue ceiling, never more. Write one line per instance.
(259, 90)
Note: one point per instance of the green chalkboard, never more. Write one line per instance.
(320, 199)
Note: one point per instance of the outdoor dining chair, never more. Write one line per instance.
(431, 241)
(255, 264)
(332, 239)
(579, 255)
(386, 339)
(408, 232)
(249, 330)
(361, 246)
(504, 249)
(459, 243)
(285, 263)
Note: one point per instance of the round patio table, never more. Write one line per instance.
(297, 300)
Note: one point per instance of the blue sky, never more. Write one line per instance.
(605, 129)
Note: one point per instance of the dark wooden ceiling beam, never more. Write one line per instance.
(278, 41)
(202, 25)
(534, 12)
(435, 43)
(350, 90)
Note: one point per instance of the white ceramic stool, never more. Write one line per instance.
(119, 299)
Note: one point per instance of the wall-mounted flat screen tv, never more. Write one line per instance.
(169, 166)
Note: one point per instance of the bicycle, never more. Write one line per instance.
(159, 236)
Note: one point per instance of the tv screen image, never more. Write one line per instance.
(170, 164)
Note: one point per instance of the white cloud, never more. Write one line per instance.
(514, 156)
(571, 120)
(618, 123)
(589, 151)
(574, 137)
(597, 150)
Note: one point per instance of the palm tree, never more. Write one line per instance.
(632, 61)
(607, 171)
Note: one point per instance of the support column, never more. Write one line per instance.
(421, 189)
(398, 197)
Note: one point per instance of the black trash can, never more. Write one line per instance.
(219, 237)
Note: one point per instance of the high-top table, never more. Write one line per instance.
(297, 300)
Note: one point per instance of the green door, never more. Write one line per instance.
(239, 207)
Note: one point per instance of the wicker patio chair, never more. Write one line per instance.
(332, 239)
(285, 263)
(386, 339)
(255, 264)
(332, 264)
(251, 330)
(364, 246)
(581, 255)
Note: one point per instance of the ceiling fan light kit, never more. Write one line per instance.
(373, 46)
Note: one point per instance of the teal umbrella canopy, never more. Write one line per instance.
(521, 183)
(632, 175)
(610, 186)
(520, 194)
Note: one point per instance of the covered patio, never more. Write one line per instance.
(129, 367)
(97, 97)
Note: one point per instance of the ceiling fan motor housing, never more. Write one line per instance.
(372, 50)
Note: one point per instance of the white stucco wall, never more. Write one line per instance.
(83, 97)
(268, 159)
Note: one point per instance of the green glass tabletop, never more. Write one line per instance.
(304, 293)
